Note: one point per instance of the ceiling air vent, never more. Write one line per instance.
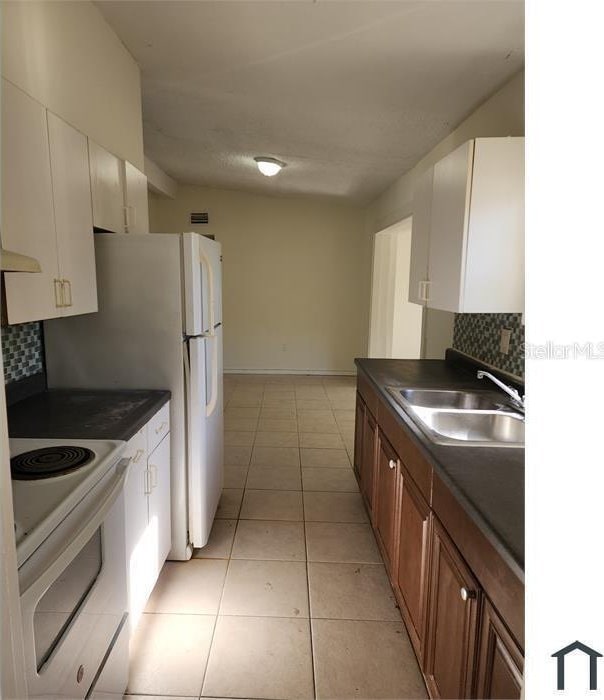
(199, 218)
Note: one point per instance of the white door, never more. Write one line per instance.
(448, 228)
(158, 466)
(107, 189)
(420, 239)
(141, 548)
(395, 322)
(28, 223)
(136, 199)
(73, 215)
(203, 283)
(205, 436)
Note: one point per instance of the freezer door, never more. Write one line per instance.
(203, 283)
(205, 434)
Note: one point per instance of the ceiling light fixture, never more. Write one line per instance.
(268, 166)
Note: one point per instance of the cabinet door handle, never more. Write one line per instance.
(392, 464)
(160, 428)
(424, 287)
(147, 484)
(153, 476)
(137, 457)
(67, 285)
(58, 293)
(467, 594)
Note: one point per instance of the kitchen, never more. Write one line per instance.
(235, 506)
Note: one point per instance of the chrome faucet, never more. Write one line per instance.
(517, 400)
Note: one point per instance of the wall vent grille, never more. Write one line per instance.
(199, 218)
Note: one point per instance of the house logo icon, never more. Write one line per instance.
(594, 655)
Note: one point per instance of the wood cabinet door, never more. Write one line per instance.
(386, 500)
(420, 236)
(412, 569)
(158, 465)
(359, 421)
(73, 216)
(136, 200)
(454, 600)
(28, 222)
(368, 461)
(500, 661)
(106, 175)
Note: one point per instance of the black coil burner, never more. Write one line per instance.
(49, 461)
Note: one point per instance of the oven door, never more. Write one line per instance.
(73, 593)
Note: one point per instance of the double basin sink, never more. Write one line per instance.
(468, 418)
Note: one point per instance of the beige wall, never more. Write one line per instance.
(66, 56)
(501, 115)
(295, 276)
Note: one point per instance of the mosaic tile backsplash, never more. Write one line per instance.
(22, 351)
(479, 335)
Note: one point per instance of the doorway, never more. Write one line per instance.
(395, 327)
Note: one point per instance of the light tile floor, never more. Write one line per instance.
(290, 598)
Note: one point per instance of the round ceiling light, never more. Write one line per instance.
(268, 166)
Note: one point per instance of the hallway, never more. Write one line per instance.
(290, 598)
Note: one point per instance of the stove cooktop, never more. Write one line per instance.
(48, 462)
(41, 500)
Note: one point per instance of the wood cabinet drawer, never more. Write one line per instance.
(158, 427)
(415, 463)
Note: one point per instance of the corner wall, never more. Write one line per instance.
(295, 276)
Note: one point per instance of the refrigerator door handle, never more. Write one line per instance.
(205, 261)
(211, 405)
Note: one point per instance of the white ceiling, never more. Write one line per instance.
(349, 94)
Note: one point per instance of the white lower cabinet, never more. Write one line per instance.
(158, 487)
(148, 524)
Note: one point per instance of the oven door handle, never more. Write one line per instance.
(36, 581)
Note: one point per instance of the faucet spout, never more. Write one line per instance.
(511, 392)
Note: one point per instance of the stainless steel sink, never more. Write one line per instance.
(469, 418)
(484, 428)
(442, 399)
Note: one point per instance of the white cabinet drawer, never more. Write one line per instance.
(158, 427)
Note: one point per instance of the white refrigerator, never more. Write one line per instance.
(159, 326)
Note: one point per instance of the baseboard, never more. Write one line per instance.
(313, 372)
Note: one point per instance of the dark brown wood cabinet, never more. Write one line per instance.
(454, 603)
(467, 635)
(359, 420)
(411, 579)
(368, 459)
(500, 661)
(386, 510)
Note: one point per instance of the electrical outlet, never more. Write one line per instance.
(504, 342)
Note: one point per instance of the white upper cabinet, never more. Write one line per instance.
(28, 225)
(136, 200)
(106, 175)
(46, 211)
(73, 217)
(420, 238)
(476, 240)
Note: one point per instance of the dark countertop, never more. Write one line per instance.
(84, 414)
(487, 481)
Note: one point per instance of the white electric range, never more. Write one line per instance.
(69, 527)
